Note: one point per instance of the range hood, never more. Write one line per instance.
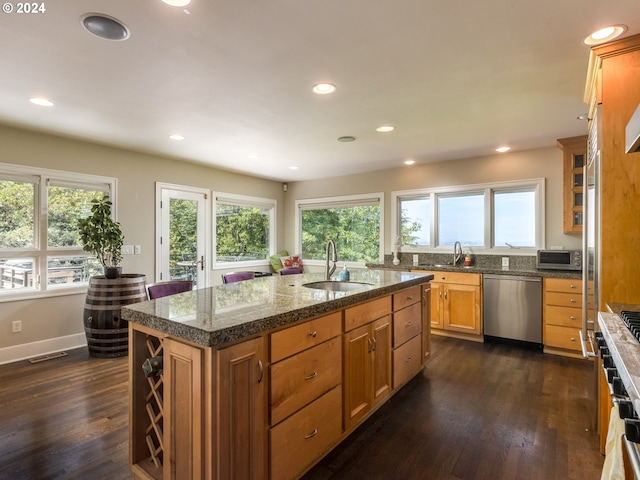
(633, 133)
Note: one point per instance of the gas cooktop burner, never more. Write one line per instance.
(632, 321)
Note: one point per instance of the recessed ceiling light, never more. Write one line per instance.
(42, 102)
(503, 149)
(605, 35)
(253, 156)
(324, 88)
(177, 3)
(347, 139)
(104, 26)
(409, 162)
(293, 167)
(385, 128)
(176, 136)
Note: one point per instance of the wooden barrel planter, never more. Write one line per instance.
(107, 333)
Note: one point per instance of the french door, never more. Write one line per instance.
(182, 240)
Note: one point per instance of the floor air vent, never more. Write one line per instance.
(49, 356)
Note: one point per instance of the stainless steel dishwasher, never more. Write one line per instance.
(512, 307)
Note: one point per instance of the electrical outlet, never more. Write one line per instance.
(16, 326)
(127, 249)
(505, 262)
(138, 249)
(415, 258)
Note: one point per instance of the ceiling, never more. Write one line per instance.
(456, 78)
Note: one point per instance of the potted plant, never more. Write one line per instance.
(102, 236)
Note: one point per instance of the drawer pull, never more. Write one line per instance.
(312, 434)
(313, 334)
(408, 324)
(409, 359)
(573, 300)
(409, 298)
(313, 375)
(573, 339)
(572, 317)
(572, 286)
(261, 370)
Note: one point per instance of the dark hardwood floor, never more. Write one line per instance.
(477, 412)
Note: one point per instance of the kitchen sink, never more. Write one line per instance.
(335, 286)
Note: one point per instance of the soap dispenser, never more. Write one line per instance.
(344, 274)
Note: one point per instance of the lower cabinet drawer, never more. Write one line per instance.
(563, 316)
(300, 379)
(562, 337)
(407, 323)
(407, 361)
(302, 438)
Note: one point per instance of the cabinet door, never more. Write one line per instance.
(357, 374)
(462, 308)
(242, 411)
(381, 351)
(426, 321)
(437, 295)
(184, 411)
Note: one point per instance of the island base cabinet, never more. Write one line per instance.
(242, 411)
(185, 412)
(298, 441)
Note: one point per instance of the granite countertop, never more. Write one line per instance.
(217, 315)
(624, 348)
(515, 271)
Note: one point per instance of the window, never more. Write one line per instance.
(40, 247)
(354, 223)
(245, 229)
(483, 217)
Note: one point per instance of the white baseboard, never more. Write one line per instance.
(43, 347)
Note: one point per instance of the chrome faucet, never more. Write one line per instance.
(334, 259)
(457, 253)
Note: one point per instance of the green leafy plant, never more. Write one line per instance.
(100, 235)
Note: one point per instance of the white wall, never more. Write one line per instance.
(61, 317)
(56, 323)
(540, 163)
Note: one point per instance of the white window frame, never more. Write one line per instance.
(40, 252)
(538, 184)
(335, 202)
(246, 201)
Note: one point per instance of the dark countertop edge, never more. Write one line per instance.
(256, 327)
(480, 270)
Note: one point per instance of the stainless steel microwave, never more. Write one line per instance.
(559, 260)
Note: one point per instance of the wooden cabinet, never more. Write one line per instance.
(241, 411)
(305, 400)
(186, 409)
(613, 91)
(456, 305)
(367, 358)
(562, 316)
(204, 416)
(574, 156)
(407, 338)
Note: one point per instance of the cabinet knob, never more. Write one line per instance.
(572, 317)
(573, 339)
(408, 324)
(313, 334)
(409, 298)
(573, 300)
(409, 359)
(572, 286)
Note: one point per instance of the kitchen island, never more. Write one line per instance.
(261, 379)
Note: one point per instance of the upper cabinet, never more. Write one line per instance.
(574, 156)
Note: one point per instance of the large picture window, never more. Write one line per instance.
(354, 223)
(486, 217)
(40, 248)
(245, 229)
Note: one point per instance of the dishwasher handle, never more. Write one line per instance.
(518, 278)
